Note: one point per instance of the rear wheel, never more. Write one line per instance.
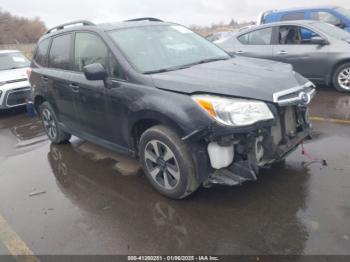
(52, 128)
(167, 163)
(341, 78)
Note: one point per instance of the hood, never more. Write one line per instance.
(240, 77)
(13, 74)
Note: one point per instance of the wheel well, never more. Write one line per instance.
(336, 66)
(139, 128)
(37, 102)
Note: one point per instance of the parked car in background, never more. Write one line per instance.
(334, 15)
(317, 50)
(159, 92)
(218, 36)
(14, 85)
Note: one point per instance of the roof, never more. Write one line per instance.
(9, 51)
(119, 25)
(303, 8)
(104, 27)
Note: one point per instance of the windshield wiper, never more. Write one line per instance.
(166, 69)
(203, 61)
(17, 67)
(209, 60)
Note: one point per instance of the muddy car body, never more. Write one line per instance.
(205, 118)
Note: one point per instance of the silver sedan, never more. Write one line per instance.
(317, 50)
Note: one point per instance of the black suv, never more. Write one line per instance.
(192, 114)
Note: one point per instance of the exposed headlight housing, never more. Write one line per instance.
(234, 111)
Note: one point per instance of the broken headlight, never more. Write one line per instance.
(234, 111)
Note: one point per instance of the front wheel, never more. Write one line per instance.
(167, 163)
(341, 78)
(52, 128)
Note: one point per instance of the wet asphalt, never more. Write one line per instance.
(94, 201)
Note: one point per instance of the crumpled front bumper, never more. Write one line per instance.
(255, 147)
(247, 170)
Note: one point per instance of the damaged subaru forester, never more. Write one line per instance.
(159, 92)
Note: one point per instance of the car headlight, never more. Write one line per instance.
(234, 111)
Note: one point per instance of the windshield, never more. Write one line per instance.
(165, 47)
(331, 30)
(343, 11)
(10, 61)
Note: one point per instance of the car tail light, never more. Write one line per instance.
(29, 72)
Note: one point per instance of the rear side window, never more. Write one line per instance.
(257, 37)
(60, 52)
(41, 53)
(293, 16)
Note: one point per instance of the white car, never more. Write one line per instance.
(14, 85)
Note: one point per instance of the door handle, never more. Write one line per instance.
(239, 52)
(282, 52)
(44, 78)
(74, 87)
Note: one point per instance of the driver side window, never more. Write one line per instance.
(295, 35)
(89, 49)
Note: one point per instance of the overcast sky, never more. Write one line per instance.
(187, 12)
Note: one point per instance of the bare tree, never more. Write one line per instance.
(14, 29)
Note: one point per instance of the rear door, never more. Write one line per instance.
(39, 65)
(58, 75)
(255, 43)
(293, 46)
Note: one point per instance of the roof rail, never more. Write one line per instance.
(60, 27)
(152, 19)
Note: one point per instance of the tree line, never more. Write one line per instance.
(20, 30)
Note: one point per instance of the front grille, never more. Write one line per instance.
(301, 95)
(16, 80)
(17, 98)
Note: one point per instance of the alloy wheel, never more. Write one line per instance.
(162, 165)
(344, 78)
(49, 124)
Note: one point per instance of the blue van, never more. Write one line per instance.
(335, 15)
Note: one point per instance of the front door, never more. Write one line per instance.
(294, 47)
(93, 98)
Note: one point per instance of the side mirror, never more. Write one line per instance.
(95, 72)
(316, 40)
(338, 23)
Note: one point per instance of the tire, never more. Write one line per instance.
(167, 163)
(341, 78)
(51, 125)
